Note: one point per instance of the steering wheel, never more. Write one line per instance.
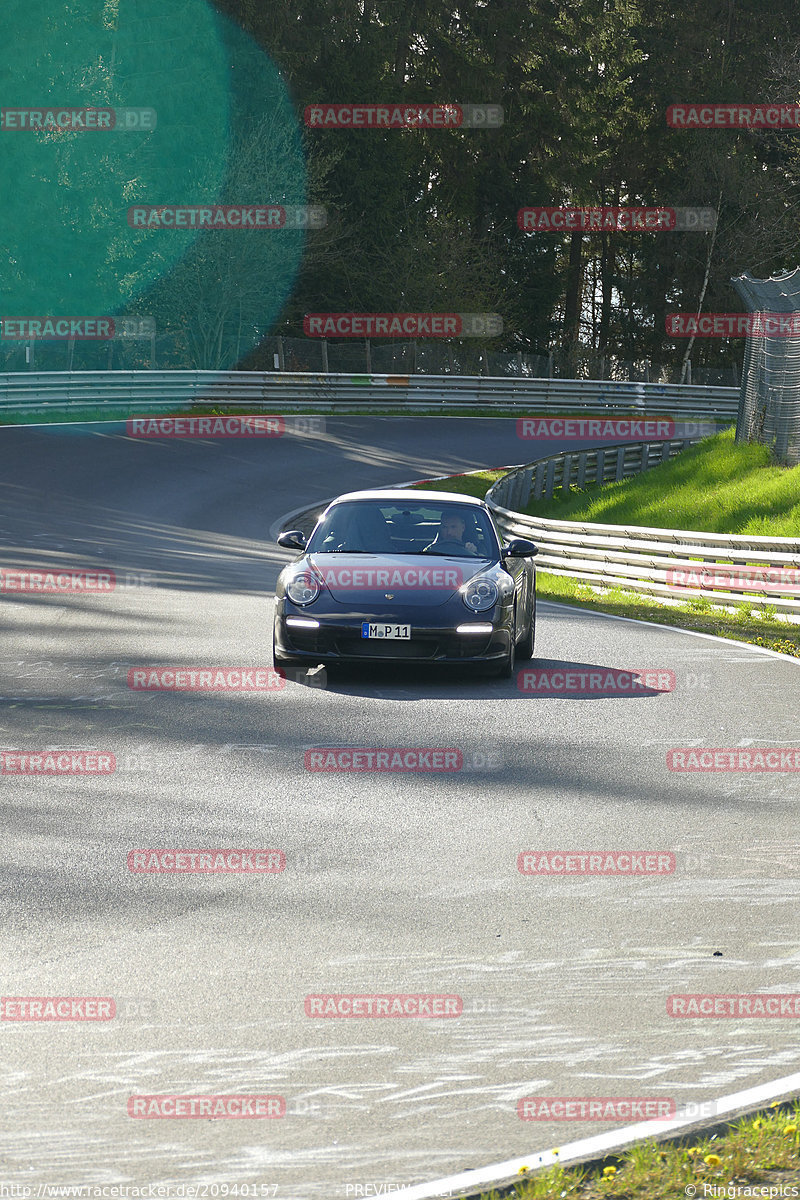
(447, 547)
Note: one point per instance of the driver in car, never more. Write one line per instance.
(451, 532)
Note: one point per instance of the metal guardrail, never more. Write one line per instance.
(579, 468)
(760, 571)
(57, 391)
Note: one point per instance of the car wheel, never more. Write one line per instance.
(506, 668)
(525, 648)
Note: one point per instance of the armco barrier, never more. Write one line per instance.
(578, 468)
(58, 391)
(638, 558)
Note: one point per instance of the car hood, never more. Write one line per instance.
(408, 579)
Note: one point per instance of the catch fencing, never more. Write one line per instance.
(769, 406)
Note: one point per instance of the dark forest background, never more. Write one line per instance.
(426, 221)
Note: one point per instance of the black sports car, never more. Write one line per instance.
(405, 575)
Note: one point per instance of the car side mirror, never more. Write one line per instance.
(293, 539)
(520, 548)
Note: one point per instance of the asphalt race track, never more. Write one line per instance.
(394, 882)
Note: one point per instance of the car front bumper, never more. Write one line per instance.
(340, 640)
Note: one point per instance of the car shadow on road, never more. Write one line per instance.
(539, 679)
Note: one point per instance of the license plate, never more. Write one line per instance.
(393, 632)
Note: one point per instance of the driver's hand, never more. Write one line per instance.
(473, 549)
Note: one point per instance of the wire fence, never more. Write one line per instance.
(769, 406)
(169, 351)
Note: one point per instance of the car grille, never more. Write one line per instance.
(380, 648)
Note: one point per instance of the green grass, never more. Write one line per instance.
(757, 477)
(715, 486)
(758, 626)
(761, 1151)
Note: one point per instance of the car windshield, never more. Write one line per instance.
(383, 527)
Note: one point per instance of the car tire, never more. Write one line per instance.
(525, 648)
(506, 668)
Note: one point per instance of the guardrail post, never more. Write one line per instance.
(550, 479)
(566, 474)
(665, 452)
(644, 457)
(325, 356)
(369, 355)
(281, 362)
(538, 481)
(620, 472)
(600, 473)
(581, 470)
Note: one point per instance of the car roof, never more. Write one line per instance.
(409, 494)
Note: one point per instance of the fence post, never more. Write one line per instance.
(369, 356)
(281, 360)
(325, 370)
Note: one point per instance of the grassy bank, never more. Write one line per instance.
(714, 486)
(758, 1153)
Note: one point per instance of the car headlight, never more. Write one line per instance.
(480, 595)
(303, 588)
